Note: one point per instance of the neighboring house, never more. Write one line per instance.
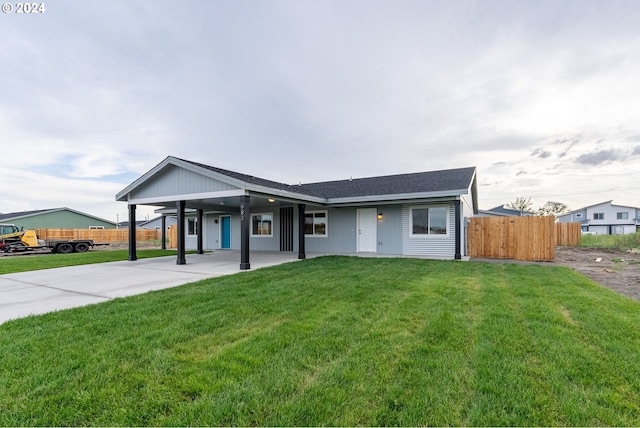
(56, 218)
(156, 223)
(419, 214)
(605, 218)
(501, 211)
(125, 224)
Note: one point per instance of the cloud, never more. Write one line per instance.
(636, 151)
(540, 153)
(599, 157)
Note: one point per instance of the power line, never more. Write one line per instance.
(569, 194)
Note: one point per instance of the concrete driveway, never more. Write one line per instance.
(37, 292)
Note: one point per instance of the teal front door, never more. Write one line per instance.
(225, 232)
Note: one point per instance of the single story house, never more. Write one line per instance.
(57, 218)
(417, 214)
(157, 222)
(502, 211)
(605, 218)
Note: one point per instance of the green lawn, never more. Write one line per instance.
(335, 341)
(48, 261)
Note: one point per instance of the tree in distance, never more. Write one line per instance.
(521, 204)
(553, 208)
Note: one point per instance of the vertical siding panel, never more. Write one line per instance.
(176, 181)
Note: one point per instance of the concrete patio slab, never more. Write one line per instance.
(37, 292)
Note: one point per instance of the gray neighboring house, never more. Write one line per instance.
(156, 223)
(605, 218)
(418, 214)
(501, 211)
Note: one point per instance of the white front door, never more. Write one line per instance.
(367, 230)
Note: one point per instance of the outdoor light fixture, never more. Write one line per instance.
(271, 200)
(379, 216)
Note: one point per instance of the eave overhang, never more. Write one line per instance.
(398, 197)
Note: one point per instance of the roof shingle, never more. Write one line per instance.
(419, 182)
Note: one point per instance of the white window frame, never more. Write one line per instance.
(272, 225)
(598, 216)
(429, 235)
(621, 215)
(326, 226)
(195, 226)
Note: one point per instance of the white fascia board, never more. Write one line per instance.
(186, 197)
(397, 197)
(209, 173)
(269, 191)
(591, 206)
(122, 195)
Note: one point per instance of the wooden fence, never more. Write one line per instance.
(520, 238)
(173, 236)
(568, 234)
(99, 235)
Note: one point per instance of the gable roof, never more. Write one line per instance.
(502, 210)
(245, 178)
(598, 204)
(451, 182)
(21, 214)
(25, 214)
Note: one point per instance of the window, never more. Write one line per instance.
(429, 221)
(315, 223)
(598, 216)
(262, 224)
(622, 216)
(192, 226)
(578, 215)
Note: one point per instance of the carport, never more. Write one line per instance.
(175, 185)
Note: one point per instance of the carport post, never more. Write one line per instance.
(132, 233)
(458, 233)
(163, 235)
(301, 249)
(181, 235)
(245, 219)
(199, 227)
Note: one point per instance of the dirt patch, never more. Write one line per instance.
(614, 269)
(140, 245)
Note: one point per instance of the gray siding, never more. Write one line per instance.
(430, 246)
(263, 243)
(341, 238)
(179, 181)
(390, 230)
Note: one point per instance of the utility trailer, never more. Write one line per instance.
(69, 246)
(57, 246)
(13, 239)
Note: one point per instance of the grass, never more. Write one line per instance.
(335, 341)
(619, 242)
(48, 261)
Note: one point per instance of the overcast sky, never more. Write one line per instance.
(543, 97)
